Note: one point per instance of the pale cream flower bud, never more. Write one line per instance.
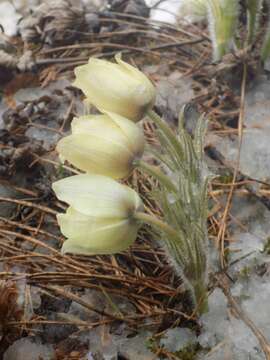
(103, 144)
(100, 217)
(118, 88)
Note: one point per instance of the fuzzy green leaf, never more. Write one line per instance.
(186, 209)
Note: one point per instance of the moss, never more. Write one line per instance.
(226, 255)
(189, 352)
(151, 344)
(245, 272)
(225, 178)
(266, 247)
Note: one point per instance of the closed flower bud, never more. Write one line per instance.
(103, 144)
(118, 88)
(100, 217)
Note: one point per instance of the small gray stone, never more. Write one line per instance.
(95, 298)
(7, 208)
(172, 93)
(25, 348)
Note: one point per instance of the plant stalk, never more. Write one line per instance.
(201, 297)
(153, 220)
(156, 173)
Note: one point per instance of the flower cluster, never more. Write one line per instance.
(104, 215)
(101, 215)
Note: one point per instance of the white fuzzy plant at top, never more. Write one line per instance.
(254, 8)
(193, 10)
(222, 21)
(265, 52)
(222, 18)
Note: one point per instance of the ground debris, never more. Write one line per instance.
(113, 307)
(53, 22)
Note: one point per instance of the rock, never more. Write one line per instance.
(32, 94)
(119, 303)
(138, 8)
(255, 149)
(257, 104)
(44, 136)
(173, 92)
(255, 153)
(7, 208)
(26, 348)
(95, 298)
(3, 109)
(94, 5)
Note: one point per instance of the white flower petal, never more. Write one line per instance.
(97, 195)
(100, 126)
(133, 133)
(88, 235)
(118, 88)
(94, 155)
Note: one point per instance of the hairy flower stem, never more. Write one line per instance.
(153, 220)
(157, 174)
(201, 295)
(199, 287)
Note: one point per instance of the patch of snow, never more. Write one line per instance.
(245, 251)
(166, 11)
(135, 348)
(254, 294)
(215, 322)
(102, 342)
(9, 18)
(25, 5)
(227, 335)
(177, 339)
